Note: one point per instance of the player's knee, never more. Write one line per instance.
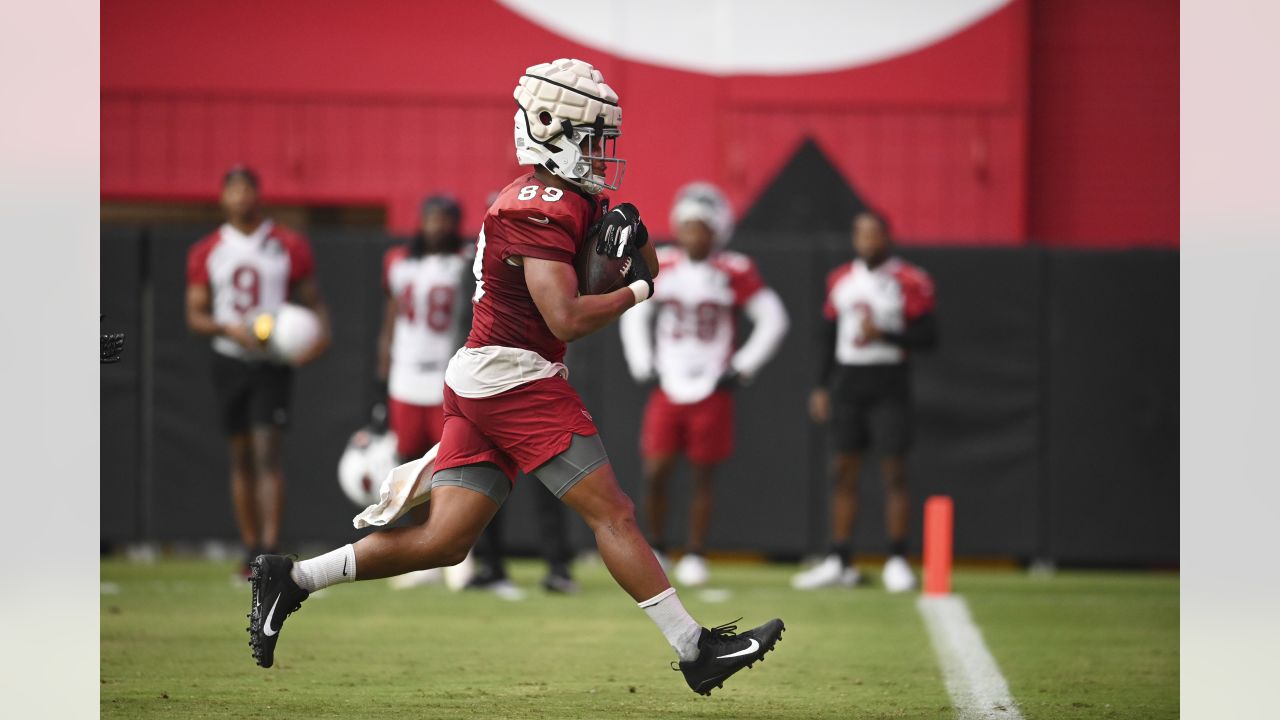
(451, 552)
(618, 510)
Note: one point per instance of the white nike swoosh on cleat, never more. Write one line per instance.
(755, 645)
(544, 221)
(266, 626)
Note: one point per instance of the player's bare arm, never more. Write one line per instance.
(554, 289)
(307, 293)
(200, 319)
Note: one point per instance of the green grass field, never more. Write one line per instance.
(1075, 645)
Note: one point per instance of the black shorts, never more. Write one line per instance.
(871, 409)
(251, 394)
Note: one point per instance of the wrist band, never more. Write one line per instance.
(641, 290)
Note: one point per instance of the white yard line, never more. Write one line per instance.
(977, 689)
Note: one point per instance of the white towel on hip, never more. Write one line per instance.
(406, 487)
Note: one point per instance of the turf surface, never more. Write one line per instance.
(1071, 646)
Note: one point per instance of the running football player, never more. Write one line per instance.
(879, 310)
(690, 350)
(507, 403)
(245, 268)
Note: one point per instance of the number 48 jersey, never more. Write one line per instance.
(427, 292)
(248, 275)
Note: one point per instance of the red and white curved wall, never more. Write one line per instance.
(969, 121)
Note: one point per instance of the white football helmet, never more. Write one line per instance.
(562, 104)
(703, 201)
(365, 463)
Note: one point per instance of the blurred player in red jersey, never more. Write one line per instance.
(690, 350)
(878, 310)
(507, 402)
(245, 268)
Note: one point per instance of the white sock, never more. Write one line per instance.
(681, 630)
(331, 568)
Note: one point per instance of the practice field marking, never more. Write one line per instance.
(974, 682)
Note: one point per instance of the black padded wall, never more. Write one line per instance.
(1049, 410)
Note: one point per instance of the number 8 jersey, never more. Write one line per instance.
(248, 275)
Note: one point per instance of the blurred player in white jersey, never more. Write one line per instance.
(685, 339)
(248, 267)
(878, 310)
(425, 280)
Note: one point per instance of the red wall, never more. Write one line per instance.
(1104, 122)
(381, 102)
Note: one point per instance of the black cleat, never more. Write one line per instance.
(275, 597)
(722, 653)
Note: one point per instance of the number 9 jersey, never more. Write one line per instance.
(248, 275)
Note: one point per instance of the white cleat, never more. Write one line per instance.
(849, 577)
(897, 575)
(828, 573)
(506, 590)
(692, 571)
(417, 578)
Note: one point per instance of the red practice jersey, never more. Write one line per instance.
(529, 219)
(893, 294)
(248, 274)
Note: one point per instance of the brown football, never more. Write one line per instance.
(599, 274)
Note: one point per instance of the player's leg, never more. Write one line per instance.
(545, 427)
(583, 478)
(845, 471)
(458, 515)
(850, 435)
(658, 470)
(556, 549)
(414, 437)
(471, 481)
(269, 401)
(701, 504)
(661, 438)
(610, 515)
(893, 471)
(244, 493)
(232, 387)
(892, 430)
(490, 556)
(710, 442)
(268, 469)
(462, 504)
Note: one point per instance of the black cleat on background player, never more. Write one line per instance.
(722, 653)
(275, 597)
